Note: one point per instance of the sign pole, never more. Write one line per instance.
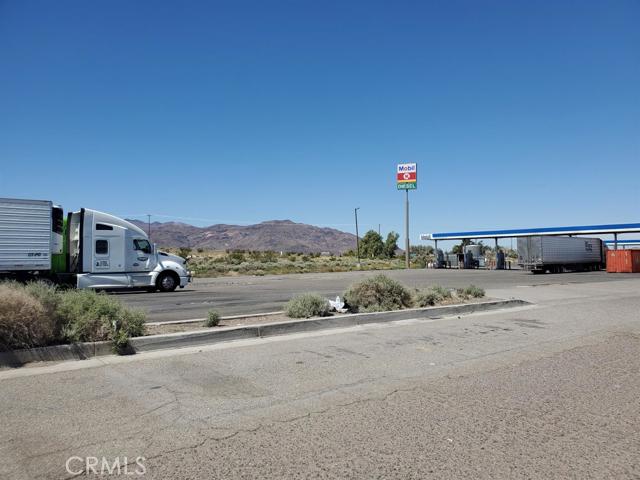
(357, 236)
(406, 229)
(407, 179)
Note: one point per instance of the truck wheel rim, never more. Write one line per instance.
(167, 282)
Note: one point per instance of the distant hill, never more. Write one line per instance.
(276, 235)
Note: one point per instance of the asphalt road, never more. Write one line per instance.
(246, 295)
(547, 391)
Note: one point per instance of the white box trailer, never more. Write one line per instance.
(29, 236)
(556, 253)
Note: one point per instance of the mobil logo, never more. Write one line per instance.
(407, 168)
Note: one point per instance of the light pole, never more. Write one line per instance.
(355, 211)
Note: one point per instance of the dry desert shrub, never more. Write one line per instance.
(23, 319)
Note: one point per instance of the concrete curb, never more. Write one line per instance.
(349, 320)
(74, 351)
(83, 351)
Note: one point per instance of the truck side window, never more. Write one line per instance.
(142, 245)
(102, 247)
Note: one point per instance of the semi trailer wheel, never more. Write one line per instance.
(167, 282)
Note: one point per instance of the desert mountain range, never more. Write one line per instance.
(276, 235)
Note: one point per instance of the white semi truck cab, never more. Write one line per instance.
(109, 252)
(89, 249)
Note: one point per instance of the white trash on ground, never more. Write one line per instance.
(337, 305)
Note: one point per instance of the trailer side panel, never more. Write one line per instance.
(537, 253)
(25, 235)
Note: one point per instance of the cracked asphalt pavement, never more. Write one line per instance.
(550, 390)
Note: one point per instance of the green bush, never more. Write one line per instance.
(378, 293)
(432, 296)
(39, 314)
(213, 319)
(307, 305)
(470, 292)
(235, 258)
(90, 317)
(270, 257)
(444, 292)
(426, 298)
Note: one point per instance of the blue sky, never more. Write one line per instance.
(518, 113)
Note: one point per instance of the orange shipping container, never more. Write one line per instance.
(623, 261)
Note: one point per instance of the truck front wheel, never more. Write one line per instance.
(167, 282)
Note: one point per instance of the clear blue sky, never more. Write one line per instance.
(518, 113)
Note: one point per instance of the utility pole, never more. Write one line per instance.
(379, 230)
(406, 229)
(149, 225)
(357, 236)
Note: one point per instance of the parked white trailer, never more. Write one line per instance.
(90, 249)
(556, 254)
(27, 239)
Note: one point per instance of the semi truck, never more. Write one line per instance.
(556, 254)
(87, 249)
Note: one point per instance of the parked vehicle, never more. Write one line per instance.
(88, 249)
(543, 254)
(452, 260)
(473, 257)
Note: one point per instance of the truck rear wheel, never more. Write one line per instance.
(167, 282)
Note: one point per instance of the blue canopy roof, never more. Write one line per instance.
(528, 232)
(623, 242)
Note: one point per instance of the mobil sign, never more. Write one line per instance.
(407, 176)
